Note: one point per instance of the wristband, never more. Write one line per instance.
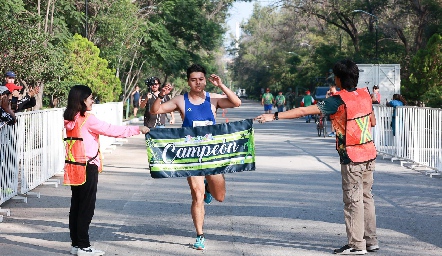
(159, 96)
(275, 116)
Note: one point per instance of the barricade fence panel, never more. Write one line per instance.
(410, 133)
(32, 151)
(8, 164)
(40, 150)
(110, 112)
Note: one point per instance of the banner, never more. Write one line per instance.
(201, 150)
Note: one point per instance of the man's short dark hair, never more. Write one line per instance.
(195, 68)
(348, 73)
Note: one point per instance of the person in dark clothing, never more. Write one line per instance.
(19, 104)
(155, 120)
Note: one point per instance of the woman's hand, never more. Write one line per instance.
(144, 129)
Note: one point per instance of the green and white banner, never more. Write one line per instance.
(201, 150)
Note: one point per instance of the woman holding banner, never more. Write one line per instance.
(198, 107)
(83, 163)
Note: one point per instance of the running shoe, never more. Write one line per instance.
(199, 243)
(207, 196)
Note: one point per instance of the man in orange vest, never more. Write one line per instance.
(352, 117)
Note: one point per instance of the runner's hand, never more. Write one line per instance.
(215, 80)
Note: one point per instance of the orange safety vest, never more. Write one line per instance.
(352, 122)
(76, 159)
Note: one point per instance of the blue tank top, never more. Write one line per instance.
(201, 112)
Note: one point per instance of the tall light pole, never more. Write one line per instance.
(375, 27)
(85, 13)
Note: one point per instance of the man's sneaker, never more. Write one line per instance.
(74, 250)
(372, 248)
(89, 251)
(332, 134)
(207, 196)
(347, 250)
(199, 243)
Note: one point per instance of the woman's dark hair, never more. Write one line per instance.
(348, 73)
(77, 95)
(375, 87)
(400, 98)
(195, 68)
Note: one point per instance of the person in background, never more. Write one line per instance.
(19, 104)
(155, 120)
(196, 107)
(280, 102)
(83, 163)
(376, 96)
(267, 101)
(136, 99)
(289, 99)
(7, 116)
(398, 101)
(330, 93)
(352, 116)
(308, 100)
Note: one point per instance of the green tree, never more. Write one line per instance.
(89, 69)
(425, 83)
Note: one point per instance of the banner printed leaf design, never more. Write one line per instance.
(202, 150)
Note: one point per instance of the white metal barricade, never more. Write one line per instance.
(112, 113)
(8, 164)
(417, 137)
(40, 146)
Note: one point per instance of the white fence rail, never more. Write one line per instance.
(32, 151)
(417, 136)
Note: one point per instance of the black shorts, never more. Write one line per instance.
(136, 103)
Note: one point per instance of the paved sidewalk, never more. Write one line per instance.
(291, 205)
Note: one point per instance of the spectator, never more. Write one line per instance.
(376, 96)
(19, 104)
(398, 100)
(330, 93)
(155, 120)
(136, 99)
(308, 100)
(280, 102)
(289, 99)
(7, 116)
(267, 101)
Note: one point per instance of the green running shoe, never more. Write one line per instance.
(207, 196)
(199, 243)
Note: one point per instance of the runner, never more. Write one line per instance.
(198, 107)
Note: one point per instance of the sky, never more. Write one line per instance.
(239, 12)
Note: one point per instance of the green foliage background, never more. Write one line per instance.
(286, 44)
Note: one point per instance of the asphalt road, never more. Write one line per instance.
(291, 205)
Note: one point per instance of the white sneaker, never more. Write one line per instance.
(89, 251)
(74, 250)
